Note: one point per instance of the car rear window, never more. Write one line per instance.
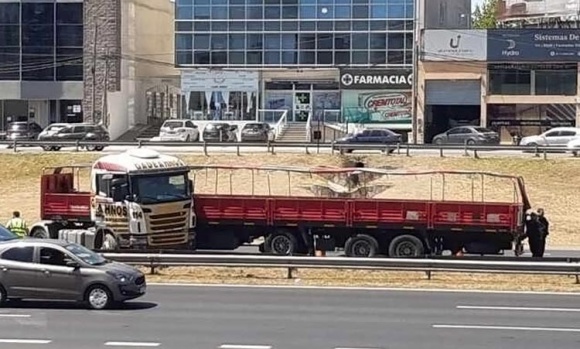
(217, 125)
(253, 126)
(17, 126)
(173, 124)
(482, 130)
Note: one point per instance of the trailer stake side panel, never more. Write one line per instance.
(312, 211)
(60, 199)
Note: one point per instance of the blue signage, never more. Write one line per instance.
(533, 45)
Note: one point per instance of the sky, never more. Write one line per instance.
(476, 2)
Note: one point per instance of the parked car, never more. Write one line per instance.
(179, 130)
(369, 136)
(45, 269)
(220, 132)
(76, 132)
(7, 235)
(22, 131)
(468, 135)
(256, 132)
(558, 136)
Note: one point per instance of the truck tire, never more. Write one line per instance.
(361, 246)
(39, 233)
(406, 246)
(282, 244)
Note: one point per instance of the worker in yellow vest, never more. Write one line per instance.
(17, 225)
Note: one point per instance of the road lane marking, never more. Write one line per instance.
(479, 307)
(358, 289)
(25, 341)
(507, 328)
(244, 346)
(355, 348)
(14, 316)
(132, 344)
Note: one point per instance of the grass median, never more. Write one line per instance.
(551, 184)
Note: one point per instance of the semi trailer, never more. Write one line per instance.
(151, 201)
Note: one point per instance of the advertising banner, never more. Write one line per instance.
(377, 107)
(517, 9)
(533, 45)
(455, 45)
(376, 79)
(199, 80)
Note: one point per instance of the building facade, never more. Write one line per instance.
(515, 81)
(296, 53)
(41, 60)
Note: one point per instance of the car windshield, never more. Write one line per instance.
(172, 124)
(482, 130)
(254, 126)
(159, 188)
(6, 235)
(85, 254)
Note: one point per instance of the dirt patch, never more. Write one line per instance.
(551, 184)
(322, 277)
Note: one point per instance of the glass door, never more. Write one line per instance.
(302, 105)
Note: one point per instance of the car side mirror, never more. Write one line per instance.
(72, 264)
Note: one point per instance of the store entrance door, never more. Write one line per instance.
(302, 105)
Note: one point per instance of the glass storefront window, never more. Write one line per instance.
(529, 79)
(510, 81)
(556, 82)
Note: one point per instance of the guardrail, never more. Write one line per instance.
(292, 263)
(387, 149)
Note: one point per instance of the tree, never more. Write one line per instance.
(485, 16)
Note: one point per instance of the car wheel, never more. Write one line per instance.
(99, 148)
(187, 139)
(470, 142)
(56, 148)
(438, 141)
(99, 297)
(91, 148)
(47, 148)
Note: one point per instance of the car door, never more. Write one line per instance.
(18, 273)
(551, 138)
(79, 132)
(456, 135)
(192, 130)
(57, 280)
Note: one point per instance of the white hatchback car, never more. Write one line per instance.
(179, 130)
(558, 136)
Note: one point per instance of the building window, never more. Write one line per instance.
(557, 82)
(9, 41)
(69, 42)
(510, 80)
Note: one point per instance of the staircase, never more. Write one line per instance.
(293, 132)
(139, 131)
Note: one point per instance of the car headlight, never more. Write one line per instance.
(121, 277)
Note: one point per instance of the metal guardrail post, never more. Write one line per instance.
(205, 148)
(306, 149)
(398, 148)
(290, 275)
(332, 147)
(238, 150)
(536, 151)
(475, 155)
(545, 154)
(15, 145)
(465, 150)
(139, 143)
(429, 274)
(440, 152)
(77, 145)
(408, 150)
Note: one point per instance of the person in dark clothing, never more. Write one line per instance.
(543, 228)
(533, 234)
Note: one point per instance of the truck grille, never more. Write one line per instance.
(168, 229)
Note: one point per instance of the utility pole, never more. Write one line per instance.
(416, 52)
(94, 70)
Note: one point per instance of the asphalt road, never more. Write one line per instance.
(270, 318)
(198, 149)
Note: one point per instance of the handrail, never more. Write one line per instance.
(308, 129)
(279, 126)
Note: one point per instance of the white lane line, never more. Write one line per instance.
(14, 316)
(132, 344)
(354, 348)
(507, 328)
(479, 307)
(25, 341)
(244, 346)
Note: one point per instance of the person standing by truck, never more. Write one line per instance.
(544, 231)
(17, 225)
(533, 234)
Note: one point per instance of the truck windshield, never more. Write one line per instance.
(150, 189)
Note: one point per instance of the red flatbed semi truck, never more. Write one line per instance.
(336, 217)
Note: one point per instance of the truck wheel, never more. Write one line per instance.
(109, 242)
(361, 246)
(283, 244)
(39, 233)
(406, 246)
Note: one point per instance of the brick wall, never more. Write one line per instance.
(102, 54)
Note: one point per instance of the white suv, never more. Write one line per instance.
(179, 130)
(558, 136)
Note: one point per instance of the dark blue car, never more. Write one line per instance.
(376, 137)
(6, 235)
